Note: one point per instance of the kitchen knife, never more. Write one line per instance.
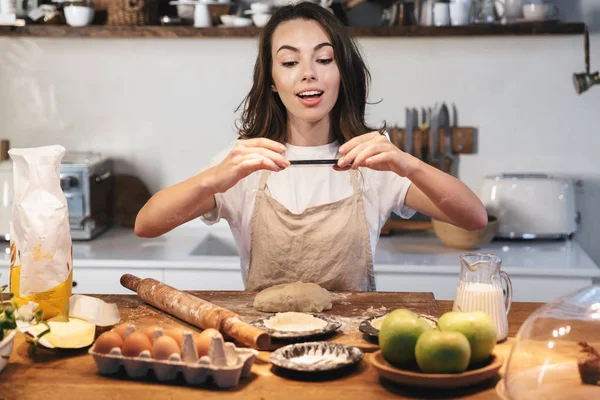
(444, 121)
(434, 141)
(417, 135)
(408, 134)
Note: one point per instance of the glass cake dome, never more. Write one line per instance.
(556, 354)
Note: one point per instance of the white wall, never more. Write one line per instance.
(163, 107)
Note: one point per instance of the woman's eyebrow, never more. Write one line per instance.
(294, 49)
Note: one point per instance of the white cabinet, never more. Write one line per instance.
(545, 288)
(108, 280)
(204, 279)
(443, 286)
(527, 288)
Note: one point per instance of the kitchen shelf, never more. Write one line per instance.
(114, 32)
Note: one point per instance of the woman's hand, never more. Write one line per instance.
(374, 150)
(195, 196)
(434, 193)
(246, 157)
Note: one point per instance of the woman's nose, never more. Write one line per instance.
(309, 73)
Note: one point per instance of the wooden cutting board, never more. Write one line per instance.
(349, 308)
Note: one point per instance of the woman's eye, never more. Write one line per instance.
(325, 61)
(289, 63)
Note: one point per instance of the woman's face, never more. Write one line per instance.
(304, 70)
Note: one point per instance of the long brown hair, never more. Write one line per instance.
(265, 115)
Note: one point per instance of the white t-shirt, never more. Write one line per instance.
(299, 187)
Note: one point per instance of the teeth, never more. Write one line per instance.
(309, 93)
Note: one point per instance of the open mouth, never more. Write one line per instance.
(310, 94)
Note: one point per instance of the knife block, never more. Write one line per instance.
(463, 140)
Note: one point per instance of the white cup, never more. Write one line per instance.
(536, 12)
(8, 7)
(260, 20)
(202, 17)
(441, 14)
(79, 15)
(459, 13)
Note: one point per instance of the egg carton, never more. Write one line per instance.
(225, 362)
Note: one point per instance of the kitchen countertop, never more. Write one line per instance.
(73, 374)
(410, 252)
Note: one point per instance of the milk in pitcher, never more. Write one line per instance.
(486, 297)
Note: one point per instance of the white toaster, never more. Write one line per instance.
(531, 206)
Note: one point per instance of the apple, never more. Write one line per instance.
(479, 329)
(399, 334)
(439, 352)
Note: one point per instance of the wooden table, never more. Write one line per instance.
(73, 374)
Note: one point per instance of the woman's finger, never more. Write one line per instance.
(256, 162)
(368, 151)
(356, 141)
(264, 143)
(378, 159)
(270, 154)
(349, 158)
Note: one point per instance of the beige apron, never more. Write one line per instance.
(327, 244)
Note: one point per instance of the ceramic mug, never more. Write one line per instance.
(79, 15)
(441, 14)
(460, 13)
(202, 17)
(540, 12)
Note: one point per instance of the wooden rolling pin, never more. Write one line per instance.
(196, 311)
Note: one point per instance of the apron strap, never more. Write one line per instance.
(354, 179)
(263, 180)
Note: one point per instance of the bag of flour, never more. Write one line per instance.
(41, 259)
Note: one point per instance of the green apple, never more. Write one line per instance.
(402, 312)
(399, 334)
(439, 352)
(479, 329)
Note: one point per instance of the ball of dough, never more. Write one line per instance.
(297, 296)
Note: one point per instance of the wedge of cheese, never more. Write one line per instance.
(74, 334)
(93, 310)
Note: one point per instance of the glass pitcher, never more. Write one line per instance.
(480, 288)
(484, 12)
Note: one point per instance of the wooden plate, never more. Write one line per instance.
(420, 379)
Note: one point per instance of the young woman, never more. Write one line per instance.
(309, 223)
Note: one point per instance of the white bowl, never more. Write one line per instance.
(535, 12)
(186, 11)
(79, 15)
(241, 21)
(261, 20)
(6, 347)
(227, 19)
